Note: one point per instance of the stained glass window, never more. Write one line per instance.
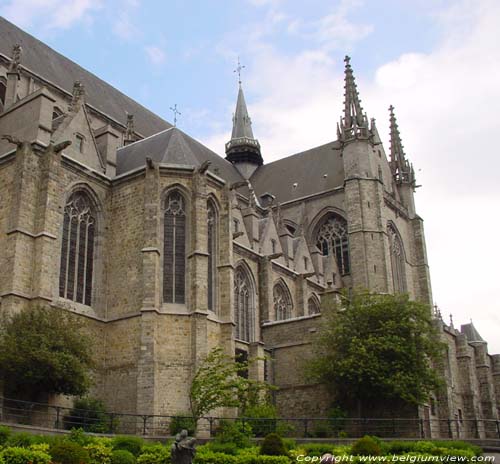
(212, 253)
(244, 306)
(282, 302)
(332, 239)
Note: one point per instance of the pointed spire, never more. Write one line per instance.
(354, 123)
(243, 147)
(374, 132)
(77, 97)
(15, 59)
(400, 167)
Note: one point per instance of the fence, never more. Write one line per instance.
(58, 417)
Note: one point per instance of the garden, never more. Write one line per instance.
(233, 444)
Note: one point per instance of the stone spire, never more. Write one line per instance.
(354, 123)
(129, 136)
(243, 150)
(401, 169)
(77, 98)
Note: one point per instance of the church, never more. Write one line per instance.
(166, 249)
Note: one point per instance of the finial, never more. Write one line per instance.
(77, 97)
(130, 130)
(16, 58)
(238, 70)
(451, 320)
(400, 167)
(347, 61)
(176, 113)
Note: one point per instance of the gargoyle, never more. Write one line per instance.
(237, 185)
(204, 167)
(12, 139)
(61, 146)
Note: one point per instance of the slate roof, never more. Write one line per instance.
(313, 171)
(172, 146)
(471, 333)
(59, 70)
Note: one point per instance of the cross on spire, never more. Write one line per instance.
(238, 70)
(176, 113)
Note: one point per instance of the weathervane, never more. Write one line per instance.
(176, 113)
(238, 70)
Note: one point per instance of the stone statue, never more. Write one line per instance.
(183, 450)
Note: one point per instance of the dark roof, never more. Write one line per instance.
(173, 146)
(471, 333)
(59, 70)
(313, 171)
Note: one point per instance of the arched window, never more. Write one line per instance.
(244, 306)
(212, 253)
(397, 260)
(3, 91)
(332, 238)
(78, 249)
(313, 305)
(174, 249)
(282, 302)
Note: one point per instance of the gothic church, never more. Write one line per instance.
(167, 249)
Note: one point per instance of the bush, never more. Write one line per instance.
(262, 419)
(183, 422)
(366, 446)
(121, 456)
(236, 432)
(273, 446)
(68, 452)
(79, 436)
(155, 454)
(99, 453)
(128, 443)
(89, 414)
(17, 455)
(20, 440)
(4, 434)
(226, 448)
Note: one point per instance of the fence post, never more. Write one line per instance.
(111, 423)
(422, 430)
(144, 420)
(58, 415)
(211, 422)
(450, 432)
(306, 432)
(498, 428)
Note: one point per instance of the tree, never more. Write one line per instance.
(217, 383)
(379, 347)
(44, 350)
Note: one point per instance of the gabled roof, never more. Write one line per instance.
(172, 146)
(59, 70)
(301, 175)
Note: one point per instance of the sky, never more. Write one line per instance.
(436, 61)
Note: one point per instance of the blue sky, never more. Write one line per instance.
(436, 61)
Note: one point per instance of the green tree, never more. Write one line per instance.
(378, 348)
(44, 350)
(217, 383)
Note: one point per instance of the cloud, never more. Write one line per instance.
(446, 102)
(61, 14)
(155, 55)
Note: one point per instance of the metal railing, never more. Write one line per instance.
(62, 418)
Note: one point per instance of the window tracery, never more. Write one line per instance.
(212, 253)
(397, 261)
(244, 306)
(282, 302)
(332, 239)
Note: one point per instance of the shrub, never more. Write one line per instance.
(128, 443)
(18, 455)
(99, 453)
(156, 454)
(262, 418)
(273, 446)
(183, 422)
(121, 456)
(79, 436)
(366, 446)
(20, 440)
(90, 415)
(236, 432)
(4, 434)
(68, 452)
(226, 448)
(316, 449)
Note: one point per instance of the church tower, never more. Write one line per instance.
(364, 192)
(243, 150)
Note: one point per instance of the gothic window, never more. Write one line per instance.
(3, 91)
(212, 253)
(78, 249)
(313, 305)
(397, 261)
(282, 302)
(174, 249)
(244, 306)
(332, 238)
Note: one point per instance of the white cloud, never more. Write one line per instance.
(155, 54)
(57, 14)
(446, 103)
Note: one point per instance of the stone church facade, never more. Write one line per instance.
(167, 250)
